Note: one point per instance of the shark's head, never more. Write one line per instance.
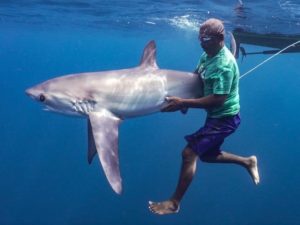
(53, 99)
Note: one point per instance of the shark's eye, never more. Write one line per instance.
(42, 98)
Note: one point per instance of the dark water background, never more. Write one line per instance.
(45, 177)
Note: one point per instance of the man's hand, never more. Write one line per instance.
(173, 104)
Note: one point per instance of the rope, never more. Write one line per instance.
(268, 59)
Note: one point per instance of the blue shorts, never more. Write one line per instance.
(209, 138)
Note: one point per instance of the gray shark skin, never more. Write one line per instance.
(107, 98)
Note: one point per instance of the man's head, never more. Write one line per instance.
(211, 36)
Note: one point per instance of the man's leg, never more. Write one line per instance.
(250, 163)
(188, 169)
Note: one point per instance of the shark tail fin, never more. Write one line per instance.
(149, 55)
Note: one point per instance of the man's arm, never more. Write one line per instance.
(210, 101)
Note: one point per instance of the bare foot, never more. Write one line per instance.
(162, 208)
(253, 169)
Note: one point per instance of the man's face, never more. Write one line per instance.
(208, 41)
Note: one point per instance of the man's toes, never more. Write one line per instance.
(153, 206)
(153, 203)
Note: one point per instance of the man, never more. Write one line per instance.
(220, 75)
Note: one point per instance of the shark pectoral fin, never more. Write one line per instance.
(105, 127)
(92, 150)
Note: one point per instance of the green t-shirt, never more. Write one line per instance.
(220, 75)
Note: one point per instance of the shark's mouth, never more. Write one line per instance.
(49, 108)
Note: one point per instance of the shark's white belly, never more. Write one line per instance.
(135, 95)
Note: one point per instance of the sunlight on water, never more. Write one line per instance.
(185, 22)
(292, 7)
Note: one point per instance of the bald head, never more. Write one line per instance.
(213, 27)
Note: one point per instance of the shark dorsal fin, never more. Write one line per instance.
(149, 55)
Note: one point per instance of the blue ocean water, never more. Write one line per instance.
(45, 177)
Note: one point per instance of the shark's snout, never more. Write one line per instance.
(28, 92)
(31, 93)
(35, 94)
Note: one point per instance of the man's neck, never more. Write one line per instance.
(215, 51)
